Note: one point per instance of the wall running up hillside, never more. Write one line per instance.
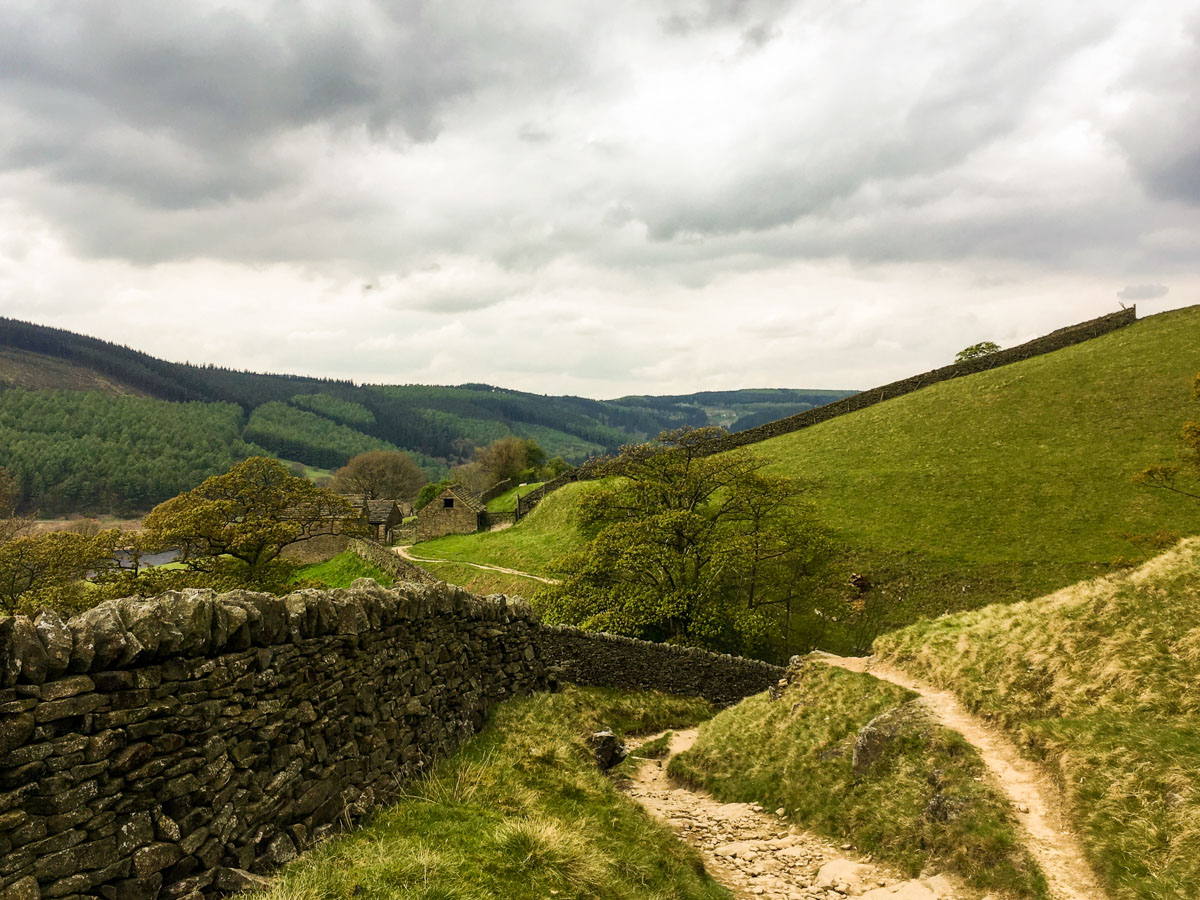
(164, 748)
(1056, 340)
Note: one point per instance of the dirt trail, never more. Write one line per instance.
(758, 856)
(1038, 801)
(402, 551)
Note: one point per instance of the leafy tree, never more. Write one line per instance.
(983, 348)
(49, 569)
(691, 548)
(429, 491)
(472, 476)
(511, 457)
(380, 474)
(554, 467)
(11, 524)
(1166, 476)
(248, 514)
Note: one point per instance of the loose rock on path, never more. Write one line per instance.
(757, 854)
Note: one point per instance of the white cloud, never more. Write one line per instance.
(599, 198)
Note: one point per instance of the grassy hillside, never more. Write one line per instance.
(1101, 679)
(36, 371)
(341, 571)
(924, 799)
(528, 546)
(1010, 483)
(1030, 462)
(1003, 485)
(520, 812)
(507, 501)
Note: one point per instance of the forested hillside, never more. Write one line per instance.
(84, 451)
(124, 425)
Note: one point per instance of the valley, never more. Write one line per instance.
(1008, 716)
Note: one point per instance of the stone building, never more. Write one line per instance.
(382, 517)
(454, 511)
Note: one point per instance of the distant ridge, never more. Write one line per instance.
(67, 399)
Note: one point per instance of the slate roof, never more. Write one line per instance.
(470, 498)
(379, 511)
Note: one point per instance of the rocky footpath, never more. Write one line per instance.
(757, 854)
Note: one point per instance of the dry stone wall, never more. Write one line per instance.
(609, 660)
(395, 565)
(176, 747)
(1056, 340)
(169, 747)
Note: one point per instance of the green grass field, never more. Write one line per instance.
(1000, 486)
(1101, 680)
(507, 502)
(1029, 463)
(341, 571)
(924, 800)
(520, 812)
(483, 581)
(529, 546)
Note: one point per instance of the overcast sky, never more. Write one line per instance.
(598, 198)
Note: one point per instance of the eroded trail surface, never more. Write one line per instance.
(1038, 801)
(756, 854)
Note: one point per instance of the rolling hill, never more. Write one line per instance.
(1002, 485)
(54, 383)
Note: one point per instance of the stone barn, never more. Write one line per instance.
(383, 516)
(454, 511)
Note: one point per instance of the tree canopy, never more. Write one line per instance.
(983, 348)
(248, 514)
(691, 548)
(380, 475)
(510, 457)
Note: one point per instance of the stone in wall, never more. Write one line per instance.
(168, 747)
(609, 660)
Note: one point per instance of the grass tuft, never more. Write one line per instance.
(520, 812)
(341, 571)
(1099, 678)
(925, 797)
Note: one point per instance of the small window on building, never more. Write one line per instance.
(447, 503)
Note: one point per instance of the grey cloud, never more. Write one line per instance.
(1161, 132)
(153, 132)
(1143, 291)
(178, 105)
(985, 79)
(753, 16)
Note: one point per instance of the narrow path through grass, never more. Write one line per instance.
(521, 812)
(1048, 834)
